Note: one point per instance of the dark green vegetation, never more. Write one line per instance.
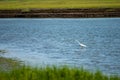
(12, 69)
(53, 73)
(35, 4)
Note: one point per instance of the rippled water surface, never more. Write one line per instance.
(53, 41)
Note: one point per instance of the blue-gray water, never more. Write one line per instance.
(53, 41)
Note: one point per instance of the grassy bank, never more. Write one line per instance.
(28, 4)
(2, 51)
(11, 69)
(7, 64)
(53, 73)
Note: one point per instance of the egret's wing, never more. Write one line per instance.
(83, 45)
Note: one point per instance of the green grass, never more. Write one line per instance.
(53, 73)
(11, 69)
(28, 4)
(7, 64)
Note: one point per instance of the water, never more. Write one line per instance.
(52, 41)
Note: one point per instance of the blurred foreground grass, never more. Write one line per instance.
(12, 69)
(31, 4)
(53, 73)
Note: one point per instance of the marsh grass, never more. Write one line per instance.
(28, 4)
(12, 69)
(7, 64)
(53, 73)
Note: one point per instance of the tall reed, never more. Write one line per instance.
(53, 73)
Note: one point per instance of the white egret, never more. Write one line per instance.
(82, 45)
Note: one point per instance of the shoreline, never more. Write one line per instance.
(61, 13)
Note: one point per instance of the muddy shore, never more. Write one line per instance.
(61, 13)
